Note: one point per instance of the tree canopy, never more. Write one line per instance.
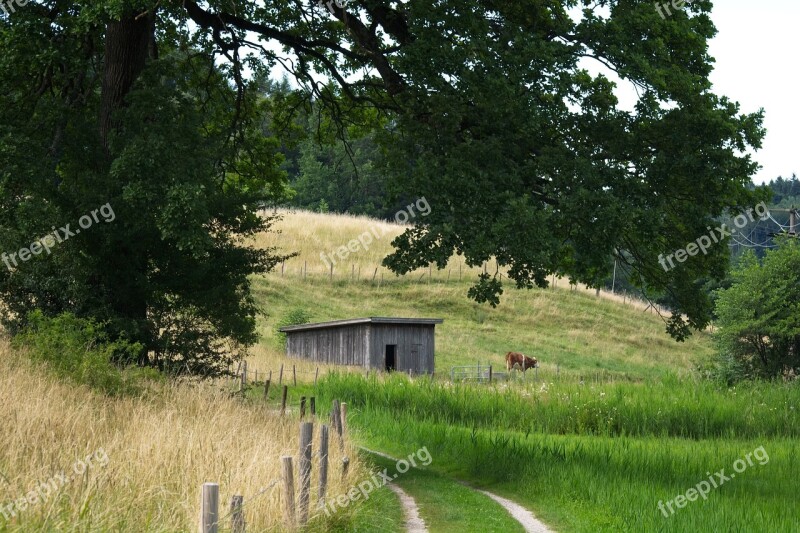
(502, 114)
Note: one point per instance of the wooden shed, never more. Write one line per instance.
(388, 344)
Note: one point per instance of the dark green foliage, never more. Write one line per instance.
(759, 316)
(170, 269)
(80, 350)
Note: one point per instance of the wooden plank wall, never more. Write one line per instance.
(346, 345)
(420, 361)
(365, 344)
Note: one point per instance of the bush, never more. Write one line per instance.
(759, 327)
(80, 350)
(292, 318)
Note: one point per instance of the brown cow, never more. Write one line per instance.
(524, 362)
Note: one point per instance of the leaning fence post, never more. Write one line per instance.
(280, 376)
(304, 466)
(209, 508)
(294, 375)
(288, 492)
(323, 465)
(237, 516)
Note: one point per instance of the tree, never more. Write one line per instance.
(759, 314)
(485, 108)
(164, 265)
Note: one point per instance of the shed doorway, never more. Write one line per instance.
(391, 357)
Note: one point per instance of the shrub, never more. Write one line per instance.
(80, 350)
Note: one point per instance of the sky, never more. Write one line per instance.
(757, 52)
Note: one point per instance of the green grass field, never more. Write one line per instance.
(615, 422)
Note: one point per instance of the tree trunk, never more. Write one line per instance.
(129, 42)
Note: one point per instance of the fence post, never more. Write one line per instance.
(490, 373)
(336, 421)
(344, 418)
(313, 406)
(304, 466)
(237, 516)
(316, 375)
(283, 399)
(288, 493)
(294, 375)
(323, 465)
(243, 384)
(280, 376)
(302, 407)
(209, 508)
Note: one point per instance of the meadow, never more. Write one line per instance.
(615, 421)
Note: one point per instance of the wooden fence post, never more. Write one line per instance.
(266, 386)
(336, 422)
(294, 375)
(209, 508)
(313, 406)
(237, 516)
(490, 373)
(302, 407)
(283, 399)
(323, 465)
(280, 376)
(304, 466)
(316, 375)
(243, 384)
(288, 493)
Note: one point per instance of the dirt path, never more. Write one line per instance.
(517, 512)
(520, 514)
(414, 524)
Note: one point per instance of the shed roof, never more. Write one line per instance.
(370, 320)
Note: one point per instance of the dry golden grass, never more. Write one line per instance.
(314, 235)
(160, 447)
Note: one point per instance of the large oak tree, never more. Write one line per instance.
(486, 108)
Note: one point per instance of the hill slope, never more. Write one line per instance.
(569, 331)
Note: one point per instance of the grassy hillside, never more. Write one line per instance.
(572, 331)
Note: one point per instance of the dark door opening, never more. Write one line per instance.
(391, 357)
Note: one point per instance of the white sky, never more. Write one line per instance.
(758, 56)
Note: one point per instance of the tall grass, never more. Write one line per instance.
(590, 484)
(161, 446)
(673, 407)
